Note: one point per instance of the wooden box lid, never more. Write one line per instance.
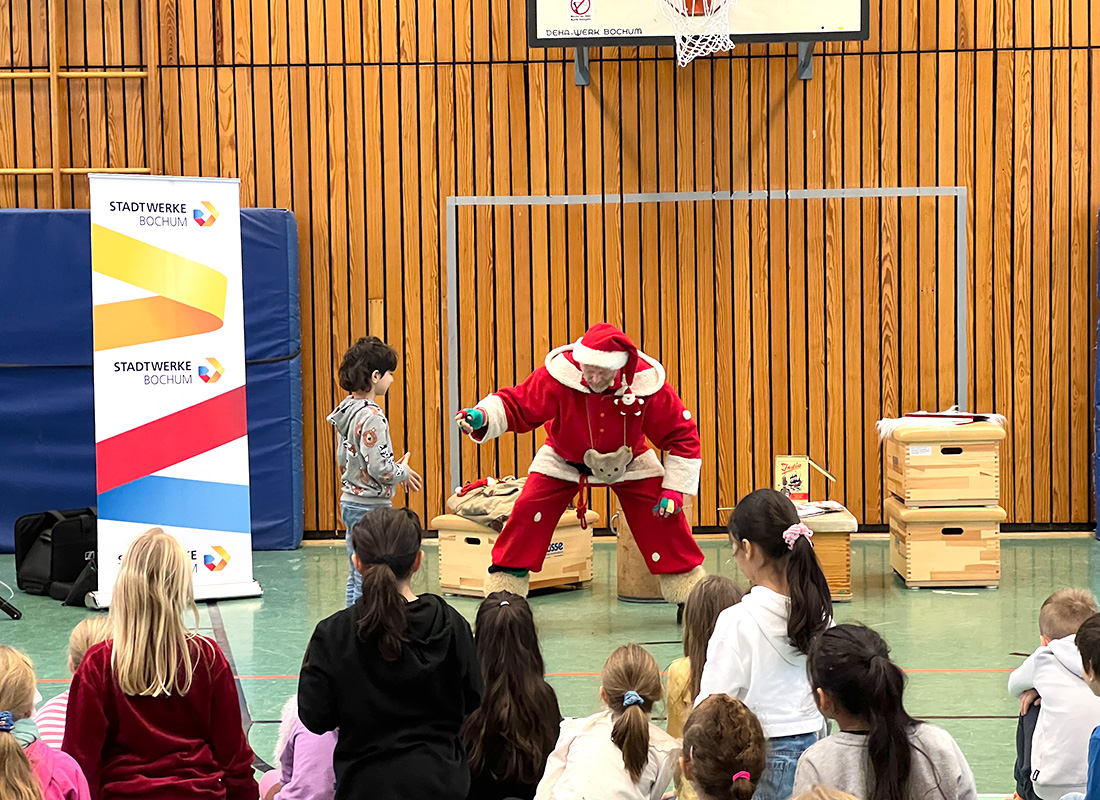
(972, 432)
(896, 510)
(453, 522)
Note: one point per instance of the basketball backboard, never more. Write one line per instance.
(617, 23)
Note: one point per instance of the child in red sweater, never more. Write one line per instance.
(154, 713)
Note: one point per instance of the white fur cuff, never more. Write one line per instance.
(676, 588)
(682, 474)
(496, 421)
(598, 358)
(506, 582)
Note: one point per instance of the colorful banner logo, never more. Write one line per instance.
(171, 425)
(211, 373)
(213, 564)
(207, 215)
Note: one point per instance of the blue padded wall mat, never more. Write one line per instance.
(47, 437)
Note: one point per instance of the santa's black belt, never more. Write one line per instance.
(582, 468)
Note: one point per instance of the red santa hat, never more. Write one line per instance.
(607, 347)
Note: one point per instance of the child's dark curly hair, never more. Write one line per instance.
(724, 742)
(1088, 643)
(367, 356)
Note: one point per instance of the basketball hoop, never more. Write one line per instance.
(702, 27)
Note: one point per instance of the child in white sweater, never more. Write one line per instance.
(881, 753)
(757, 653)
(1069, 711)
(617, 754)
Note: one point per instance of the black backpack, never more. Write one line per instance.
(52, 549)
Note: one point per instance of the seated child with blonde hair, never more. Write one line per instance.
(29, 768)
(617, 754)
(154, 711)
(1054, 760)
(709, 598)
(50, 718)
(305, 770)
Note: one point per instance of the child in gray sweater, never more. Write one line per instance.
(364, 449)
(881, 753)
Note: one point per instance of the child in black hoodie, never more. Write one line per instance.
(396, 673)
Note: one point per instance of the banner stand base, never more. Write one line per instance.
(225, 591)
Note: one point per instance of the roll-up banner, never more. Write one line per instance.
(168, 332)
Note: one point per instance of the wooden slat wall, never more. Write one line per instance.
(789, 326)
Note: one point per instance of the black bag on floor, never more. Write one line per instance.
(87, 581)
(53, 546)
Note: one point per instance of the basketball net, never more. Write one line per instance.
(702, 27)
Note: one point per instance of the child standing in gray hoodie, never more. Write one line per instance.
(364, 449)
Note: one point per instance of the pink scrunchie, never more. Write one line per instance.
(790, 536)
(742, 775)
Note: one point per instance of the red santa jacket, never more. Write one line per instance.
(577, 419)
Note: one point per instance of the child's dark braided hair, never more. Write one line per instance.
(724, 749)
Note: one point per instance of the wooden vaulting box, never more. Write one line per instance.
(466, 551)
(937, 466)
(945, 546)
(833, 546)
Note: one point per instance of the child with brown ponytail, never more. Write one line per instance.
(757, 652)
(617, 754)
(725, 752)
(397, 673)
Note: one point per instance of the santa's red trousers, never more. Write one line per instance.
(665, 542)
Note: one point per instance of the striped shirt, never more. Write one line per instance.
(50, 719)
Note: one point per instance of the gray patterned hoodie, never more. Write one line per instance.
(365, 453)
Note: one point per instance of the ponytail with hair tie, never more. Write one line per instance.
(811, 598)
(631, 666)
(851, 663)
(387, 542)
(769, 520)
(792, 534)
(394, 562)
(23, 730)
(17, 777)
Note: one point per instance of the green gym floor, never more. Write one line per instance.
(958, 645)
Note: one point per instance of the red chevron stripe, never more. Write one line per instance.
(169, 440)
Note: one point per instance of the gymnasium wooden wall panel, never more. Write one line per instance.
(788, 325)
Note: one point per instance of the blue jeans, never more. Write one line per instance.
(777, 782)
(351, 513)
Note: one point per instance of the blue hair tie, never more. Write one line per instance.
(7, 721)
(632, 698)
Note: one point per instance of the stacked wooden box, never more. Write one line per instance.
(466, 551)
(944, 512)
(833, 546)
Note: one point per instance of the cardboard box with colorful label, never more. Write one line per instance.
(792, 476)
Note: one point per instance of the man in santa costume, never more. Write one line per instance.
(600, 399)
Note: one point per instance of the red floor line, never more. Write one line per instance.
(589, 675)
(954, 671)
